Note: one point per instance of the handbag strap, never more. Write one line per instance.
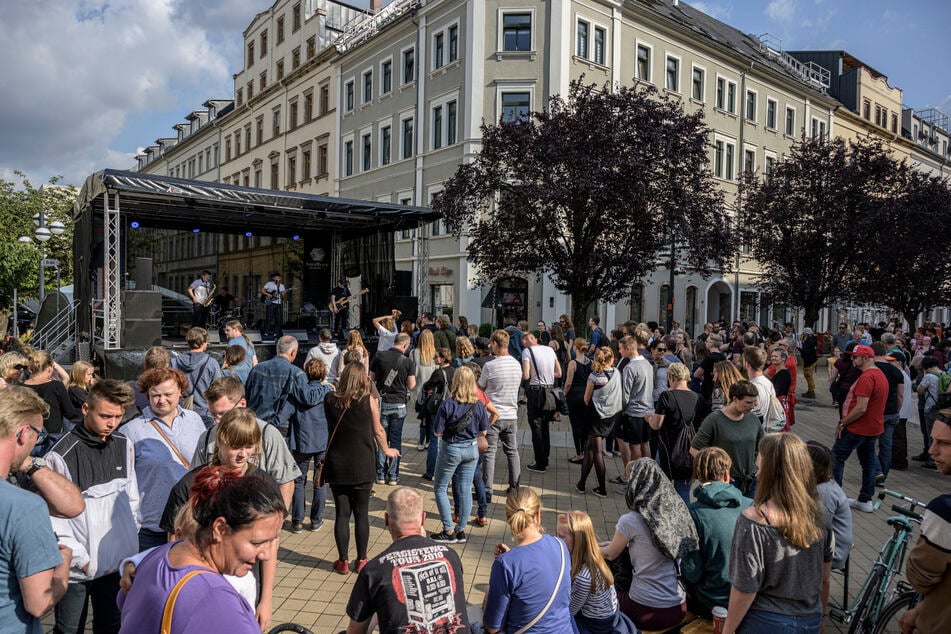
(336, 427)
(168, 441)
(173, 597)
(551, 599)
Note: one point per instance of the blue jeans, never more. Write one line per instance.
(759, 622)
(392, 416)
(150, 539)
(885, 444)
(683, 489)
(864, 446)
(460, 488)
(433, 450)
(73, 608)
(462, 457)
(319, 500)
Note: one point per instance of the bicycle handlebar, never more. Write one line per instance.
(907, 512)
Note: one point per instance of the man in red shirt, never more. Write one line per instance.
(862, 423)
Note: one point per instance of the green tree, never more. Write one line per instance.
(589, 193)
(19, 262)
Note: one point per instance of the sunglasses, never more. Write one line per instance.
(19, 367)
(661, 349)
(41, 435)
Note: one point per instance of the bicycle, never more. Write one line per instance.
(877, 606)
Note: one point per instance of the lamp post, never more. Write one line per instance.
(42, 233)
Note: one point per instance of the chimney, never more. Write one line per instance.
(375, 6)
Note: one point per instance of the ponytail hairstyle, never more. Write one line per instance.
(221, 492)
(603, 358)
(521, 510)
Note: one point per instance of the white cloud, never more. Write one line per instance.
(718, 10)
(74, 72)
(781, 10)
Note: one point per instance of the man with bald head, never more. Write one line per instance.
(415, 581)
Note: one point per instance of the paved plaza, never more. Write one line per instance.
(309, 593)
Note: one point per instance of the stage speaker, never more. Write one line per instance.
(142, 305)
(408, 305)
(141, 333)
(214, 336)
(143, 274)
(299, 334)
(254, 336)
(403, 283)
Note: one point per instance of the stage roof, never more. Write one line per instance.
(164, 202)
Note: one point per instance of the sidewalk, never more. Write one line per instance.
(309, 593)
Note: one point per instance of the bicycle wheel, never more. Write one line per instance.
(862, 621)
(888, 619)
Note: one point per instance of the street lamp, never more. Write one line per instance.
(42, 234)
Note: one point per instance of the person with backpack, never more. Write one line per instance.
(929, 389)
(200, 369)
(436, 390)
(675, 417)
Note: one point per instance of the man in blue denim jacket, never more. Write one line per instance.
(275, 382)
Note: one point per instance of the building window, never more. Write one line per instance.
(731, 97)
(453, 43)
(451, 123)
(322, 160)
(368, 86)
(238, 96)
(721, 93)
(262, 84)
(250, 88)
(894, 123)
(259, 130)
(600, 37)
(409, 65)
(878, 114)
(237, 143)
(437, 127)
(407, 138)
(581, 40)
(295, 58)
(308, 107)
(790, 121)
(643, 63)
(517, 32)
(697, 87)
(311, 47)
(515, 106)
(275, 183)
(247, 138)
(263, 44)
(324, 99)
(718, 159)
(295, 17)
(292, 115)
(730, 149)
(385, 144)
(367, 147)
(257, 181)
(770, 163)
(386, 77)
(672, 81)
(280, 69)
(867, 109)
(348, 96)
(291, 170)
(276, 123)
(438, 45)
(250, 55)
(749, 161)
(818, 129)
(750, 105)
(280, 29)
(770, 114)
(348, 158)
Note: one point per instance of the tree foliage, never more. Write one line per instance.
(19, 262)
(588, 193)
(816, 224)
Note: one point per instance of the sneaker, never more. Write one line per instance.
(865, 507)
(536, 468)
(808, 394)
(460, 537)
(579, 489)
(443, 537)
(392, 483)
(930, 466)
(427, 476)
(482, 521)
(342, 566)
(315, 526)
(380, 481)
(297, 528)
(601, 493)
(420, 447)
(922, 457)
(880, 480)
(360, 565)
(608, 454)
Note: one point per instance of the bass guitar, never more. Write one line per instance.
(336, 307)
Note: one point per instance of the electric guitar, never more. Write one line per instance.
(268, 298)
(336, 307)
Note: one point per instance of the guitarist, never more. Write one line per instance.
(273, 294)
(341, 292)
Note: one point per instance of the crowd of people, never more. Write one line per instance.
(183, 477)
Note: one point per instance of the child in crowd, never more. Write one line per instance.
(834, 501)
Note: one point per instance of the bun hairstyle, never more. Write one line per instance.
(521, 509)
(222, 492)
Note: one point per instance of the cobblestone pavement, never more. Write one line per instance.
(309, 593)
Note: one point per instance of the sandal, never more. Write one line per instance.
(617, 480)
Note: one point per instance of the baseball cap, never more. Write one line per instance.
(863, 351)
(897, 355)
(807, 331)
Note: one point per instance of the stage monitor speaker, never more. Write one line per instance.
(408, 305)
(143, 274)
(142, 305)
(214, 336)
(254, 336)
(299, 334)
(141, 333)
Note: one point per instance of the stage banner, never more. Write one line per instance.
(318, 280)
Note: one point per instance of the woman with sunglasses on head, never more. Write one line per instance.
(12, 365)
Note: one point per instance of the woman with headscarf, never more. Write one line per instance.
(656, 533)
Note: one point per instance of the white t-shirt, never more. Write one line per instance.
(500, 380)
(766, 390)
(655, 582)
(387, 338)
(542, 367)
(275, 290)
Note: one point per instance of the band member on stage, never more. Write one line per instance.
(341, 312)
(198, 291)
(275, 292)
(223, 300)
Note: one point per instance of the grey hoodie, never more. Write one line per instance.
(201, 370)
(327, 352)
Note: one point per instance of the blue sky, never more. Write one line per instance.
(88, 82)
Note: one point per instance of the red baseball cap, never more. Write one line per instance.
(863, 351)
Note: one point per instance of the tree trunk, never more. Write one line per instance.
(579, 313)
(811, 316)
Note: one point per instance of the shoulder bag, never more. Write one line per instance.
(551, 599)
(459, 425)
(171, 445)
(679, 459)
(775, 415)
(546, 398)
(173, 597)
(436, 398)
(319, 467)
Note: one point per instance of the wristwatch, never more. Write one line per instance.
(36, 465)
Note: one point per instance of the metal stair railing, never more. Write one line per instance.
(58, 337)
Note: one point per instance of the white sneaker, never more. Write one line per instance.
(608, 454)
(420, 447)
(865, 507)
